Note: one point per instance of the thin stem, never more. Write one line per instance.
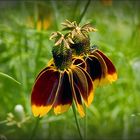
(35, 128)
(76, 120)
(75, 10)
(39, 49)
(55, 9)
(84, 11)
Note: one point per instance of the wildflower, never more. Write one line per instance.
(99, 66)
(63, 80)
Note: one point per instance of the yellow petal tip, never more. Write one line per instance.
(81, 111)
(90, 98)
(61, 109)
(39, 111)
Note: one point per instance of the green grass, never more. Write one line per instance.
(24, 51)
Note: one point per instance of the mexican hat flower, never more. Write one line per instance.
(64, 79)
(99, 66)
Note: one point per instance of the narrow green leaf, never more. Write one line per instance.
(9, 77)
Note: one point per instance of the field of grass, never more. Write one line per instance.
(25, 49)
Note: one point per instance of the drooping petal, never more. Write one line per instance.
(44, 92)
(45, 69)
(90, 96)
(64, 95)
(79, 61)
(100, 68)
(101, 80)
(102, 63)
(84, 84)
(49, 65)
(111, 75)
(76, 95)
(94, 68)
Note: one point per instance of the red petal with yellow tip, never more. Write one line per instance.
(76, 95)
(44, 92)
(110, 66)
(89, 98)
(84, 84)
(64, 95)
(94, 67)
(111, 70)
(97, 58)
(78, 100)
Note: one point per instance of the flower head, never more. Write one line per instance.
(99, 66)
(72, 73)
(79, 36)
(64, 79)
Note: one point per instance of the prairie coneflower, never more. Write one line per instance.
(99, 66)
(63, 80)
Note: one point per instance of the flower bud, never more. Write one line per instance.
(81, 44)
(19, 112)
(62, 56)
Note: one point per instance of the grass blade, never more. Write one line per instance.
(9, 77)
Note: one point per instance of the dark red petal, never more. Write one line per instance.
(44, 92)
(79, 62)
(108, 69)
(76, 95)
(90, 94)
(110, 66)
(49, 65)
(64, 96)
(94, 67)
(84, 84)
(111, 70)
(102, 63)
(42, 71)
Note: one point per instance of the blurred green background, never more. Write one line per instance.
(25, 48)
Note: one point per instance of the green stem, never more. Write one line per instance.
(38, 52)
(75, 10)
(55, 9)
(84, 11)
(35, 128)
(76, 120)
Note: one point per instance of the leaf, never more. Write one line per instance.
(9, 77)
